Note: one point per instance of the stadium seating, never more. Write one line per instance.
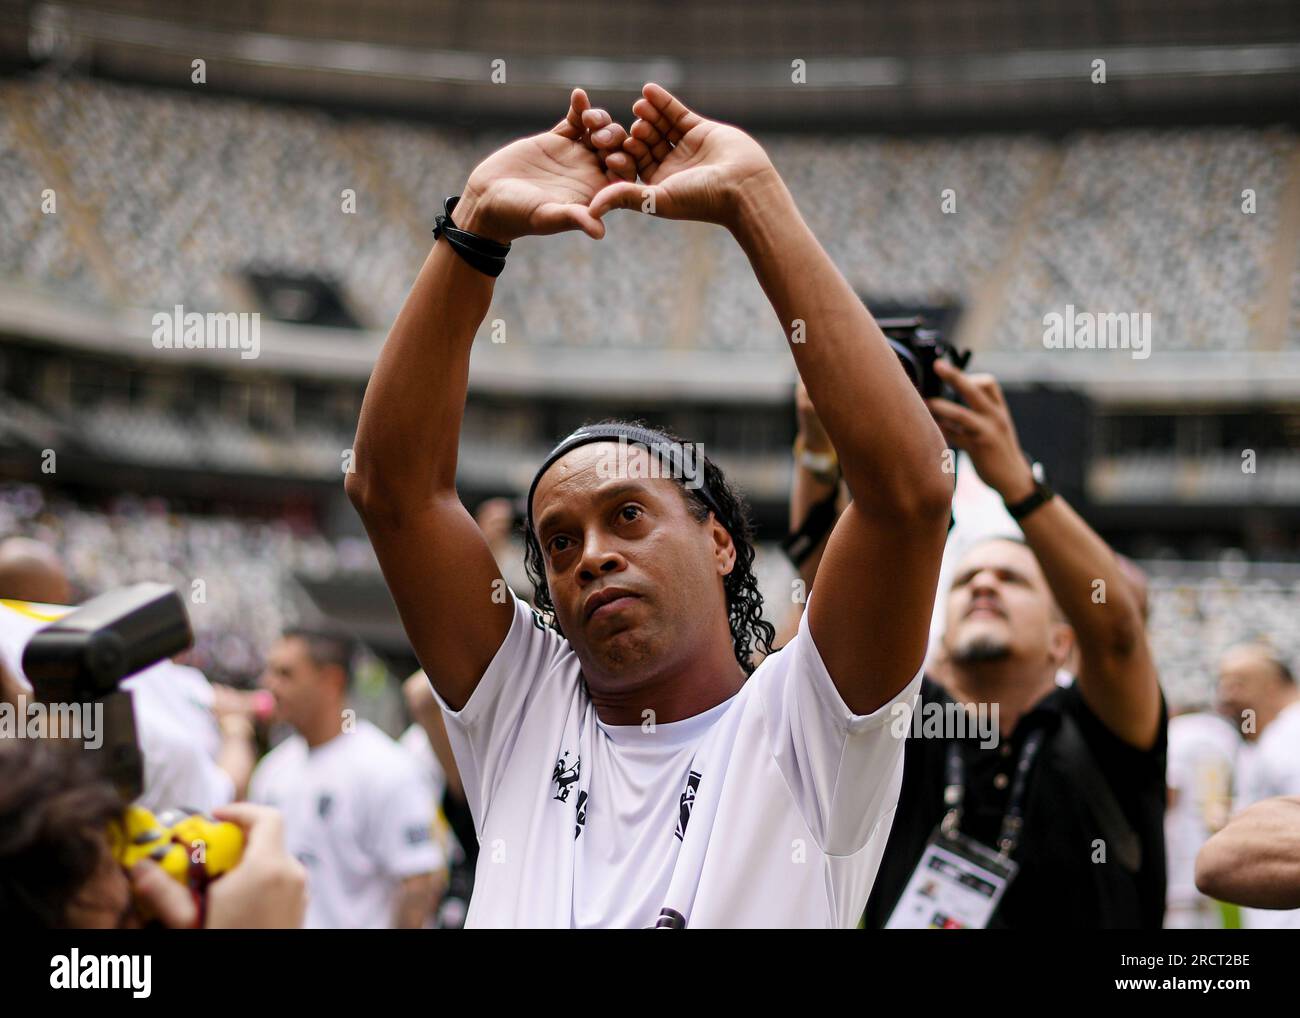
(1139, 220)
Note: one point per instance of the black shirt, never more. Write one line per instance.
(1059, 885)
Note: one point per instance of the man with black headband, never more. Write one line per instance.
(625, 763)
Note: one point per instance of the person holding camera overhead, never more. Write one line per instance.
(1060, 824)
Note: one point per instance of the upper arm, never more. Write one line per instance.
(875, 596)
(1119, 683)
(449, 592)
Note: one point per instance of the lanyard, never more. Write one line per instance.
(954, 792)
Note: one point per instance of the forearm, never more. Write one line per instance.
(237, 756)
(1255, 859)
(889, 447)
(1084, 575)
(807, 491)
(409, 428)
(416, 898)
(436, 731)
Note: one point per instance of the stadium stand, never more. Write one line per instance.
(180, 182)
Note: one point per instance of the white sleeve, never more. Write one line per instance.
(525, 673)
(1279, 771)
(403, 824)
(843, 769)
(179, 774)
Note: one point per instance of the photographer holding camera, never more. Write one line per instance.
(193, 755)
(57, 870)
(1059, 823)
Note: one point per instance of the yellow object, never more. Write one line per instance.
(192, 849)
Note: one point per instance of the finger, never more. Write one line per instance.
(988, 385)
(679, 117)
(556, 218)
(946, 412)
(621, 195)
(657, 132)
(954, 437)
(162, 897)
(641, 155)
(595, 119)
(620, 166)
(263, 826)
(967, 386)
(611, 136)
(571, 126)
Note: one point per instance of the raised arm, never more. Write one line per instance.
(435, 560)
(1117, 676)
(876, 581)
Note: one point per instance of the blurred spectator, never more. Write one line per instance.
(357, 811)
(1258, 693)
(1202, 750)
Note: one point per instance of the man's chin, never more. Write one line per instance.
(623, 652)
(981, 648)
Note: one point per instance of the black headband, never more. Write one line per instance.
(653, 441)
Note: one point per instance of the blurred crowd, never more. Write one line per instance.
(1140, 220)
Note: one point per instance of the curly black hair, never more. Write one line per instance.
(750, 632)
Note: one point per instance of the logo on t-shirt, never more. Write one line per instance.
(686, 804)
(582, 815)
(418, 834)
(565, 775)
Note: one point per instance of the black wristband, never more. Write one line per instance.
(1040, 495)
(488, 256)
(821, 518)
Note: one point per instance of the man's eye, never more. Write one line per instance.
(557, 543)
(630, 512)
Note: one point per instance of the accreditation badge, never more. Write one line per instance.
(956, 885)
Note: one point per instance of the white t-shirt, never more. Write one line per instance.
(176, 729)
(772, 809)
(1271, 768)
(358, 815)
(1202, 748)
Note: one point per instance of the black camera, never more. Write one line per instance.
(918, 347)
(83, 657)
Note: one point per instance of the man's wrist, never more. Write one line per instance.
(470, 215)
(1020, 489)
(817, 443)
(755, 202)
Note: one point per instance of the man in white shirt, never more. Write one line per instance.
(625, 763)
(357, 812)
(1258, 693)
(1202, 751)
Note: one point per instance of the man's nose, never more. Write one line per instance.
(598, 558)
(984, 582)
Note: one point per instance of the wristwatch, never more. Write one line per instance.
(1041, 493)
